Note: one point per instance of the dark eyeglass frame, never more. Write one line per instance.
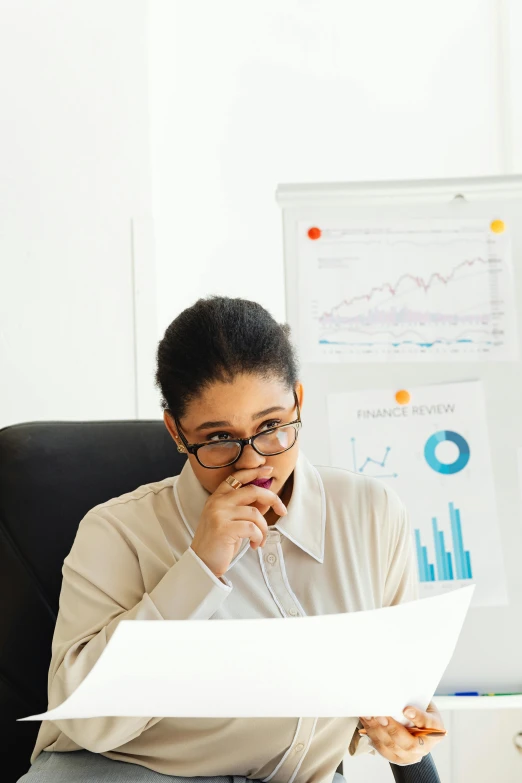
(193, 448)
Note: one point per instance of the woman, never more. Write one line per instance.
(249, 529)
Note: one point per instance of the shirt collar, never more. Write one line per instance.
(304, 524)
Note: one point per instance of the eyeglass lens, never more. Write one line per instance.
(270, 443)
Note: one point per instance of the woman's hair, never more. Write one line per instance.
(216, 339)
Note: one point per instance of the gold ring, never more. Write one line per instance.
(233, 482)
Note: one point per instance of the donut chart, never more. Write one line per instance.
(443, 467)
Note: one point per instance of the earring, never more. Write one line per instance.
(180, 448)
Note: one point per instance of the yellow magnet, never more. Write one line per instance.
(498, 226)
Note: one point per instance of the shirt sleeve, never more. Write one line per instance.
(102, 585)
(360, 744)
(401, 582)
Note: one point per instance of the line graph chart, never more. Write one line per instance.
(419, 289)
(361, 467)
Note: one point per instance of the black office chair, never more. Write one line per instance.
(51, 474)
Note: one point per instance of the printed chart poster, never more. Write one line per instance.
(406, 290)
(432, 447)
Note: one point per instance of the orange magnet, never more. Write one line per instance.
(403, 397)
(314, 232)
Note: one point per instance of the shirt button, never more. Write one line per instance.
(293, 611)
(271, 559)
(299, 748)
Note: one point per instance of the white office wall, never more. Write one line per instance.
(245, 95)
(512, 82)
(74, 172)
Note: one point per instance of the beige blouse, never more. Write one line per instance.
(344, 546)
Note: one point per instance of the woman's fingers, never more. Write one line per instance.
(250, 514)
(430, 719)
(250, 493)
(246, 529)
(396, 743)
(394, 737)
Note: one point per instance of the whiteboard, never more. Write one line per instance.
(489, 652)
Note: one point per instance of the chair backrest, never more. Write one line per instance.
(51, 474)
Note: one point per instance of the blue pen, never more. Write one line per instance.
(467, 693)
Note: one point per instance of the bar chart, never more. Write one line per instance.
(446, 567)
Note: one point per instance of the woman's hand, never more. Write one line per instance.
(230, 515)
(393, 740)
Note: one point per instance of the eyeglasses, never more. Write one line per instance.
(268, 443)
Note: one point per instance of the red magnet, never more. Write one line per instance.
(314, 233)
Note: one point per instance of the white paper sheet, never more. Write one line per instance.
(361, 663)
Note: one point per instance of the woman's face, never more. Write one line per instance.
(239, 404)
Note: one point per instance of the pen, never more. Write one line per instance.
(416, 731)
(466, 693)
